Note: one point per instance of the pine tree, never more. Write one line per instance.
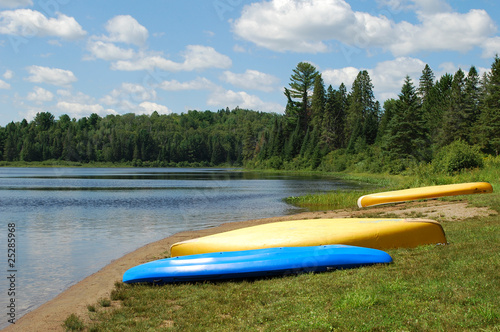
(249, 142)
(301, 83)
(426, 84)
(441, 100)
(328, 133)
(454, 117)
(362, 113)
(318, 102)
(471, 102)
(488, 128)
(406, 134)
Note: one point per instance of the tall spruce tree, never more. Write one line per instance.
(362, 113)
(426, 84)
(488, 127)
(454, 117)
(471, 102)
(406, 134)
(328, 134)
(318, 102)
(441, 101)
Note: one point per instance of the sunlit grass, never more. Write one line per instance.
(430, 288)
(419, 177)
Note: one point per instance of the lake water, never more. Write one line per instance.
(71, 222)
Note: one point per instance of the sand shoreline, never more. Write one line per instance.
(51, 315)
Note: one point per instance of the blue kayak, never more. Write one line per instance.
(254, 263)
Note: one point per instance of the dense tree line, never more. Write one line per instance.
(203, 138)
(322, 127)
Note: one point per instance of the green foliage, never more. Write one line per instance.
(458, 156)
(73, 323)
(194, 138)
(105, 303)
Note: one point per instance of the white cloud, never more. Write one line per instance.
(8, 74)
(423, 6)
(54, 76)
(335, 77)
(40, 95)
(196, 57)
(108, 51)
(30, 23)
(491, 47)
(127, 95)
(311, 26)
(78, 110)
(199, 83)
(227, 98)
(15, 3)
(126, 29)
(444, 32)
(387, 77)
(148, 107)
(251, 79)
(4, 85)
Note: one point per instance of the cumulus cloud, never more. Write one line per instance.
(78, 110)
(15, 3)
(127, 95)
(8, 74)
(423, 6)
(54, 76)
(444, 32)
(387, 77)
(126, 29)
(196, 57)
(148, 107)
(40, 95)
(228, 98)
(336, 77)
(313, 26)
(31, 23)
(491, 47)
(251, 79)
(199, 83)
(108, 51)
(4, 85)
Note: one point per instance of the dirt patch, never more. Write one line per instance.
(51, 315)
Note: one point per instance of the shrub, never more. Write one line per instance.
(456, 157)
(73, 323)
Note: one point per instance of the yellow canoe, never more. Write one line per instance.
(363, 232)
(424, 193)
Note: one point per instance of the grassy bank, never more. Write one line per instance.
(418, 177)
(430, 288)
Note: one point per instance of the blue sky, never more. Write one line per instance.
(114, 57)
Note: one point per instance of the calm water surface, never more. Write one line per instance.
(71, 222)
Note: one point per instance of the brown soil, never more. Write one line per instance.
(51, 315)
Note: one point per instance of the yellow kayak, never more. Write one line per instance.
(424, 193)
(363, 232)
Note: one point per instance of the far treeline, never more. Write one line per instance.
(452, 123)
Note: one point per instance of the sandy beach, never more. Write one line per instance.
(51, 315)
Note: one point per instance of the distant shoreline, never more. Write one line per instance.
(75, 164)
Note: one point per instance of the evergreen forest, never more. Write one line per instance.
(451, 122)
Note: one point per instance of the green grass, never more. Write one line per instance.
(419, 177)
(430, 288)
